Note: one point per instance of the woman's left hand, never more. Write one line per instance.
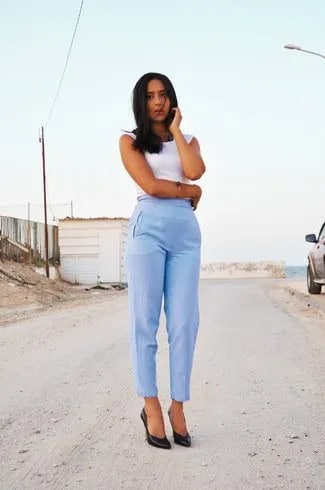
(174, 126)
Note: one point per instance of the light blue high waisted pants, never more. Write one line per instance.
(163, 261)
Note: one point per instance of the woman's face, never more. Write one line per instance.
(158, 103)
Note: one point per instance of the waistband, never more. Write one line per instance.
(167, 202)
(169, 208)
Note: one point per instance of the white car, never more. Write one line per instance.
(316, 262)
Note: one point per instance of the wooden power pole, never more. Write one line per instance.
(45, 207)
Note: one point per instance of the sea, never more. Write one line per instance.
(295, 271)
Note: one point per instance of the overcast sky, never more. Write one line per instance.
(257, 110)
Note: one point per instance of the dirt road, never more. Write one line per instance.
(69, 417)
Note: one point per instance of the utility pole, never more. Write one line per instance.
(29, 231)
(45, 207)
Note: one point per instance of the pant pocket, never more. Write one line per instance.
(135, 224)
(195, 227)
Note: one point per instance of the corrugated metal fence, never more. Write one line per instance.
(22, 240)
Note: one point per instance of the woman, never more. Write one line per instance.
(163, 250)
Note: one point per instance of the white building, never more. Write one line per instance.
(93, 250)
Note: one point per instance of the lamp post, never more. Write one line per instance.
(298, 48)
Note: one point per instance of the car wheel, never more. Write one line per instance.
(313, 287)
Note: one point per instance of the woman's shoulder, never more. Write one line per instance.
(128, 133)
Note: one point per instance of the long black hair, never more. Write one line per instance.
(146, 139)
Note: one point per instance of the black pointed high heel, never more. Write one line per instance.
(178, 438)
(161, 442)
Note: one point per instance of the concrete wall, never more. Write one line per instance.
(242, 269)
(123, 239)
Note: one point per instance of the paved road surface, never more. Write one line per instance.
(69, 417)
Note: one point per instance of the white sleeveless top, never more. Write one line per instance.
(166, 164)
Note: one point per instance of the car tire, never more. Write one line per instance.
(313, 287)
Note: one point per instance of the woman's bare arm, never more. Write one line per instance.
(141, 172)
(190, 155)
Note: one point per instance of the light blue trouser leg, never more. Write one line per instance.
(146, 282)
(182, 315)
(163, 258)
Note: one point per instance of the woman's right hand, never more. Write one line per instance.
(197, 193)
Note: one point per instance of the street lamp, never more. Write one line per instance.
(298, 48)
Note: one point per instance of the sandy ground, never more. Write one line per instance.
(69, 417)
(24, 292)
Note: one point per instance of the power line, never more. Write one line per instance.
(65, 65)
(35, 204)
